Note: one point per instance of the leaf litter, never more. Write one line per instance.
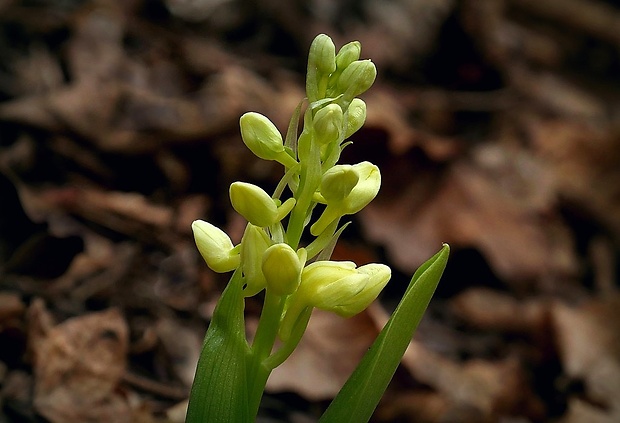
(494, 126)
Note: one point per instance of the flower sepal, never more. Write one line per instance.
(215, 247)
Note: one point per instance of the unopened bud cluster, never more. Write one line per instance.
(270, 255)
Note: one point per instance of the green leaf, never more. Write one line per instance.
(360, 395)
(219, 392)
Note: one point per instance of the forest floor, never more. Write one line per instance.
(496, 126)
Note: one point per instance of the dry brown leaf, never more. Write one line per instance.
(87, 108)
(205, 56)
(385, 112)
(177, 413)
(126, 212)
(40, 323)
(558, 94)
(580, 411)
(489, 388)
(121, 118)
(236, 90)
(99, 255)
(474, 206)
(399, 33)
(189, 209)
(584, 163)
(78, 365)
(597, 18)
(11, 306)
(95, 52)
(16, 389)
(182, 345)
(588, 340)
(326, 356)
(492, 310)
(37, 73)
(133, 206)
(427, 407)
(175, 283)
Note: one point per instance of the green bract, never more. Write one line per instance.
(284, 231)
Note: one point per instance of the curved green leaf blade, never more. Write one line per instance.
(360, 395)
(219, 393)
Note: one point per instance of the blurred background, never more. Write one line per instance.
(496, 125)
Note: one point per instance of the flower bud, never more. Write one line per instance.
(356, 116)
(215, 247)
(322, 54)
(328, 124)
(262, 137)
(282, 269)
(338, 182)
(253, 246)
(348, 54)
(254, 204)
(357, 78)
(321, 63)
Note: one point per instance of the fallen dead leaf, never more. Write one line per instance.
(427, 407)
(588, 339)
(580, 411)
(474, 206)
(78, 365)
(491, 310)
(182, 345)
(584, 163)
(488, 389)
(11, 306)
(125, 212)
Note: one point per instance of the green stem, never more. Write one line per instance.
(264, 340)
(289, 346)
(296, 222)
(309, 180)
